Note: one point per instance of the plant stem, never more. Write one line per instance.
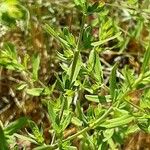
(91, 126)
(136, 106)
(98, 121)
(78, 48)
(81, 32)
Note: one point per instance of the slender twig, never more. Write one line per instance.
(136, 106)
(98, 121)
(81, 32)
(91, 126)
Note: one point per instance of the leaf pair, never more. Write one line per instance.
(86, 8)
(58, 126)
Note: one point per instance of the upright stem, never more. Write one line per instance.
(75, 59)
(78, 48)
(81, 32)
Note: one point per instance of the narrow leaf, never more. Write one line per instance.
(116, 122)
(50, 30)
(98, 68)
(95, 98)
(66, 121)
(121, 123)
(80, 113)
(52, 116)
(106, 40)
(15, 126)
(21, 86)
(3, 142)
(76, 122)
(35, 91)
(91, 61)
(11, 50)
(25, 138)
(112, 81)
(146, 59)
(75, 67)
(79, 2)
(94, 65)
(36, 132)
(35, 65)
(55, 34)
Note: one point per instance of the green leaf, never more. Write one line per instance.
(21, 86)
(50, 30)
(96, 7)
(10, 11)
(108, 134)
(25, 138)
(75, 67)
(44, 147)
(146, 59)
(25, 61)
(69, 37)
(35, 130)
(95, 44)
(55, 34)
(79, 2)
(98, 68)
(94, 66)
(129, 77)
(35, 91)
(52, 116)
(60, 83)
(144, 124)
(71, 147)
(10, 50)
(80, 113)
(112, 81)
(93, 7)
(139, 28)
(65, 122)
(61, 56)
(91, 61)
(15, 126)
(9, 58)
(81, 5)
(87, 37)
(35, 65)
(95, 98)
(3, 142)
(116, 122)
(76, 121)
(133, 129)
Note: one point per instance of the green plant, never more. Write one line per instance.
(110, 113)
